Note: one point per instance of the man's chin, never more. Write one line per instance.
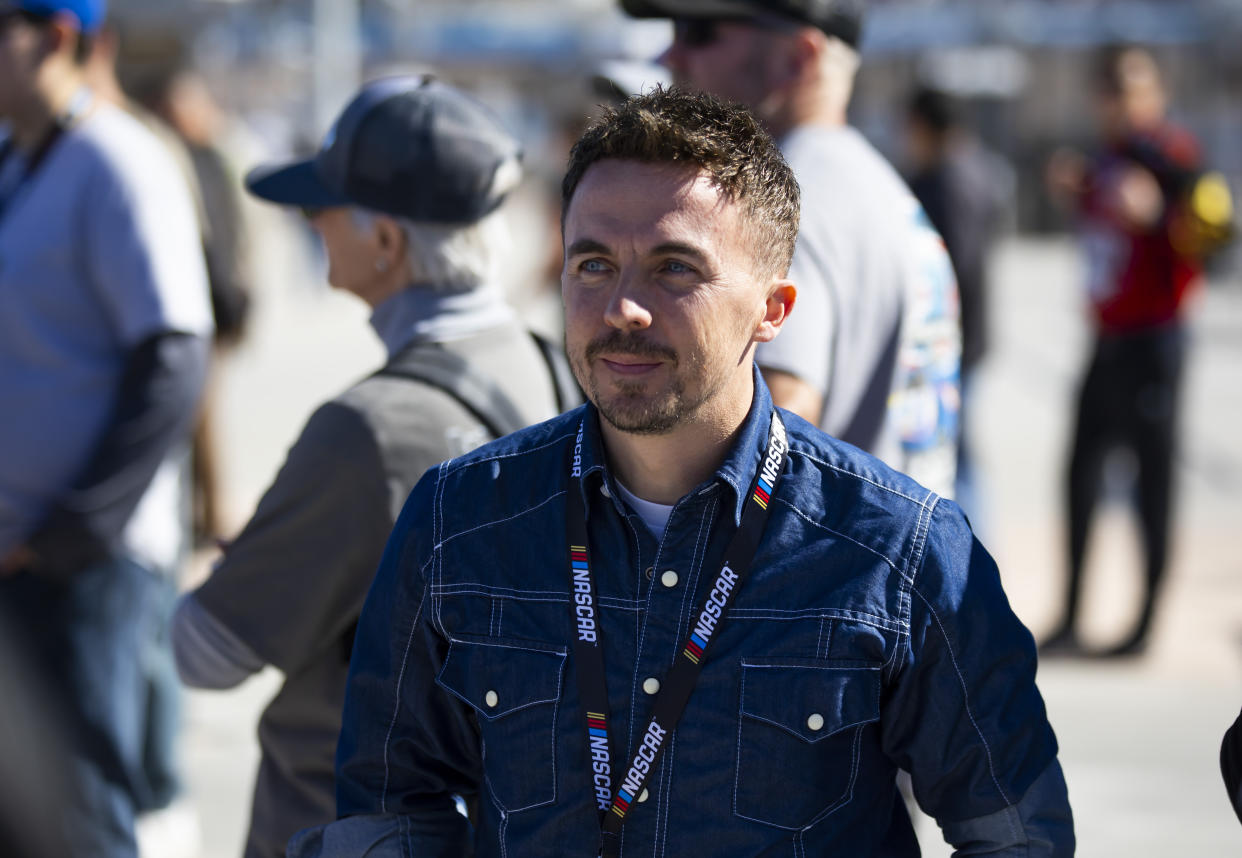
(639, 418)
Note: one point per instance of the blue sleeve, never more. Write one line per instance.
(964, 715)
(407, 747)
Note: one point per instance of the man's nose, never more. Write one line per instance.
(625, 310)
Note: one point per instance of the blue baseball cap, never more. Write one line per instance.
(90, 13)
(412, 147)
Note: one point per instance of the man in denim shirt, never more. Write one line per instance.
(870, 634)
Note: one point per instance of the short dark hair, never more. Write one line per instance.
(81, 48)
(934, 108)
(1114, 65)
(699, 131)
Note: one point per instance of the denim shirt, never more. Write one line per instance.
(872, 634)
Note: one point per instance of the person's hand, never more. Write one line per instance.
(1136, 199)
(19, 558)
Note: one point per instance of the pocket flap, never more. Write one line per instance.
(812, 702)
(497, 679)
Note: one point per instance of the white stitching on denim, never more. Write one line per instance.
(446, 540)
(556, 704)
(783, 615)
(396, 705)
(497, 591)
(737, 767)
(437, 569)
(500, 615)
(845, 798)
(918, 539)
(966, 697)
(856, 476)
(461, 465)
(686, 609)
(666, 786)
(639, 628)
(827, 529)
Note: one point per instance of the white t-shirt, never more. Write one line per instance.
(654, 515)
(875, 325)
(99, 250)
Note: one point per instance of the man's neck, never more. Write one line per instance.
(50, 101)
(664, 468)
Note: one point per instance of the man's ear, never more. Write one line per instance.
(390, 241)
(61, 33)
(798, 59)
(782, 294)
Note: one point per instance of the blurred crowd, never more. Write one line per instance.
(135, 254)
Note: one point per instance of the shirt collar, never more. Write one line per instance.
(424, 313)
(737, 471)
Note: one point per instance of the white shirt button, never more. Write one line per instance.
(815, 722)
(669, 578)
(644, 796)
(651, 685)
(491, 699)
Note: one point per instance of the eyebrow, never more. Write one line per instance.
(585, 245)
(590, 245)
(681, 249)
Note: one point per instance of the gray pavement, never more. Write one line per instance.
(1139, 740)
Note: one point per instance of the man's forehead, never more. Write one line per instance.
(620, 189)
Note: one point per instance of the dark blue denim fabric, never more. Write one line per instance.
(872, 634)
(86, 636)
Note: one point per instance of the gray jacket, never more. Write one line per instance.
(289, 590)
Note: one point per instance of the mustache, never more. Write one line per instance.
(620, 342)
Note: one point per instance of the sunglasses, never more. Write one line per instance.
(701, 32)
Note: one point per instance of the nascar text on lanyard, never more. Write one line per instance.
(612, 798)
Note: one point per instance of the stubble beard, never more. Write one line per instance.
(632, 406)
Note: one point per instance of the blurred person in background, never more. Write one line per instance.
(872, 355)
(404, 192)
(965, 190)
(1147, 215)
(104, 330)
(178, 95)
(163, 828)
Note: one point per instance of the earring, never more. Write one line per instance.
(381, 265)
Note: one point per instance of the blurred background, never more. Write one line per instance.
(1139, 737)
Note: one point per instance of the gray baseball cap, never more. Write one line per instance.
(840, 18)
(412, 147)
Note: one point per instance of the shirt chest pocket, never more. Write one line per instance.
(798, 738)
(515, 692)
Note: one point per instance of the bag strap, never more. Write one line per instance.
(568, 394)
(432, 364)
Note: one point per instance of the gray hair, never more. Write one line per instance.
(449, 257)
(455, 257)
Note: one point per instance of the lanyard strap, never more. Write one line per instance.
(77, 108)
(614, 800)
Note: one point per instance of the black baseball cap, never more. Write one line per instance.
(840, 18)
(412, 147)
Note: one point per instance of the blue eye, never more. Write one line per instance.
(675, 267)
(593, 266)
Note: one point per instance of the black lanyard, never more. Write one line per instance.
(614, 801)
(77, 109)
